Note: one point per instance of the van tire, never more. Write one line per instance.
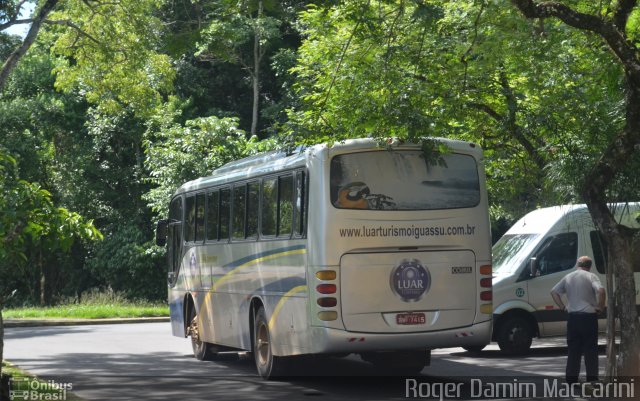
(268, 365)
(515, 336)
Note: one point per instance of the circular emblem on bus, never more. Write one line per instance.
(410, 280)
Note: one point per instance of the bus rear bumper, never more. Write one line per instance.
(329, 340)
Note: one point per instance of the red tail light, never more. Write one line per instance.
(326, 288)
(486, 295)
(485, 282)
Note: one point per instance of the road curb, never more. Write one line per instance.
(79, 322)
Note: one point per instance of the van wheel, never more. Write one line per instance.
(515, 336)
(202, 351)
(268, 365)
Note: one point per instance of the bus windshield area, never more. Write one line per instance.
(508, 253)
(403, 180)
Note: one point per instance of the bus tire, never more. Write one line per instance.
(515, 336)
(202, 351)
(268, 365)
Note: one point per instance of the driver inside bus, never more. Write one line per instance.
(353, 196)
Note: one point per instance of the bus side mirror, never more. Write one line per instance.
(533, 267)
(161, 232)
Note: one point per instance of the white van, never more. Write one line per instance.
(533, 256)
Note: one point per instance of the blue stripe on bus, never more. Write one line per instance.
(247, 259)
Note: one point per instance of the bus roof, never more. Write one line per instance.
(269, 162)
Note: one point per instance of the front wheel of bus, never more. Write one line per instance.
(268, 365)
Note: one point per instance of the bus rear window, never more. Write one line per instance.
(403, 180)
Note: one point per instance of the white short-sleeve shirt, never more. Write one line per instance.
(581, 289)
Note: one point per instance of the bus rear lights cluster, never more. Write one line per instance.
(327, 302)
(486, 295)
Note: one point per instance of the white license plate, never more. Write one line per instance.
(411, 318)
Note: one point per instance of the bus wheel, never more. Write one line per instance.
(203, 351)
(267, 364)
(515, 336)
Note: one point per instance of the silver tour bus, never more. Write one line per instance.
(383, 252)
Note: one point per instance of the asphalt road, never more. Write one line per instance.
(144, 362)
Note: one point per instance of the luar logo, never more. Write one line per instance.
(520, 292)
(410, 280)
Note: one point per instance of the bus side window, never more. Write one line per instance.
(200, 217)
(300, 203)
(190, 219)
(269, 206)
(253, 209)
(225, 212)
(239, 209)
(213, 205)
(285, 205)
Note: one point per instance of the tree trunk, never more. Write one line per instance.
(257, 57)
(610, 165)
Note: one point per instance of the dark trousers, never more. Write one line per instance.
(582, 339)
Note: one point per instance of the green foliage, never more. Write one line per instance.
(29, 220)
(130, 264)
(178, 153)
(109, 54)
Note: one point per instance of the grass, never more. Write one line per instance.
(87, 312)
(40, 389)
(93, 305)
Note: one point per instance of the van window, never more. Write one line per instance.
(599, 251)
(510, 250)
(557, 253)
(601, 256)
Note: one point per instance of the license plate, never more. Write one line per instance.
(411, 318)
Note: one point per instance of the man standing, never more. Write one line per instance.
(586, 298)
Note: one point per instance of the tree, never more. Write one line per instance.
(29, 218)
(177, 153)
(10, 12)
(243, 34)
(616, 27)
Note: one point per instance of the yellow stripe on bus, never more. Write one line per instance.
(252, 262)
(283, 299)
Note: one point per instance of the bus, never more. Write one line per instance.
(352, 248)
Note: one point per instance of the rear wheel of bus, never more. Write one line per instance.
(268, 365)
